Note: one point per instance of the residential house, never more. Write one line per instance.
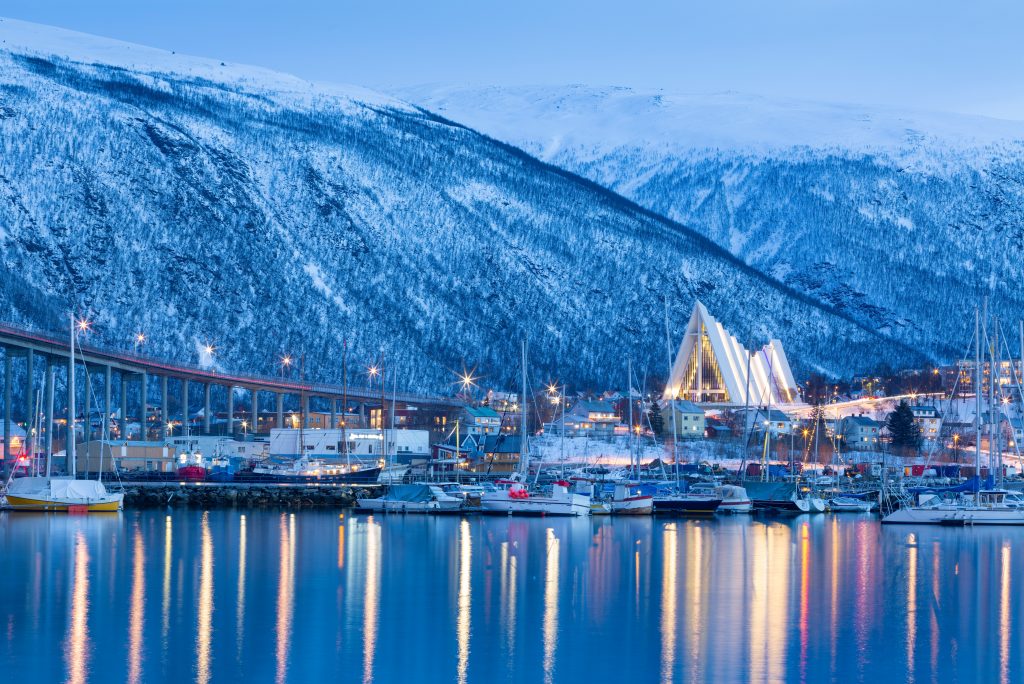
(928, 421)
(690, 422)
(860, 432)
(776, 422)
(588, 418)
(479, 420)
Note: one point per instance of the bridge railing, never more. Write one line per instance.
(50, 338)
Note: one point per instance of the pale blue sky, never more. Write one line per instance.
(957, 55)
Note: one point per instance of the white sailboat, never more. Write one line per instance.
(512, 497)
(65, 494)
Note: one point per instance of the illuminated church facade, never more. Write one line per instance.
(711, 368)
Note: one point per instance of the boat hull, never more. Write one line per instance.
(383, 505)
(575, 505)
(366, 476)
(684, 506)
(955, 517)
(111, 504)
(637, 505)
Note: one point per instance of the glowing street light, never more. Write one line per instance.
(83, 325)
(373, 371)
(209, 349)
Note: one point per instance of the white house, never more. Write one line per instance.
(928, 420)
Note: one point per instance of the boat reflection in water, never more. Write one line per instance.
(303, 597)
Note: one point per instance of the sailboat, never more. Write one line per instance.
(65, 494)
(512, 497)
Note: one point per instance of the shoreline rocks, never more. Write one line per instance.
(252, 496)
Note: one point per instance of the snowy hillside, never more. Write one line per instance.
(898, 219)
(266, 215)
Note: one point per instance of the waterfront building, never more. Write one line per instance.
(128, 456)
(690, 419)
(407, 446)
(711, 368)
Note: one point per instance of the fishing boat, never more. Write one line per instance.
(848, 504)
(307, 471)
(630, 500)
(65, 494)
(734, 498)
(513, 498)
(413, 498)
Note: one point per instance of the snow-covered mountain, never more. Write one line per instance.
(205, 202)
(899, 219)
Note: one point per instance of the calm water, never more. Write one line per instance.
(271, 597)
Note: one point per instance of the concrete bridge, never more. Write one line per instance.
(107, 372)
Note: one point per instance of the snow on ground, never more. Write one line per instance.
(48, 41)
(550, 119)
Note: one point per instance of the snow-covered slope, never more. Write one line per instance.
(266, 215)
(899, 219)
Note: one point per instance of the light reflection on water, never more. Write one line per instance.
(271, 598)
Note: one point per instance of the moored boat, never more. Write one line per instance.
(513, 498)
(630, 500)
(413, 498)
(61, 494)
(686, 504)
(848, 504)
(991, 507)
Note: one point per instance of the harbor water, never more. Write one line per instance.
(265, 596)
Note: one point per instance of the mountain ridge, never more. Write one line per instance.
(201, 211)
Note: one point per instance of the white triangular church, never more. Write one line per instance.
(711, 368)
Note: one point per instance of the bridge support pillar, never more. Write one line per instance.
(87, 407)
(280, 410)
(255, 400)
(165, 409)
(206, 408)
(144, 405)
(334, 414)
(30, 400)
(231, 411)
(184, 408)
(105, 430)
(305, 411)
(7, 406)
(124, 406)
(48, 409)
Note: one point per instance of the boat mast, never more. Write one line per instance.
(672, 400)
(629, 398)
(394, 399)
(344, 404)
(524, 449)
(977, 395)
(302, 407)
(70, 449)
(383, 410)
